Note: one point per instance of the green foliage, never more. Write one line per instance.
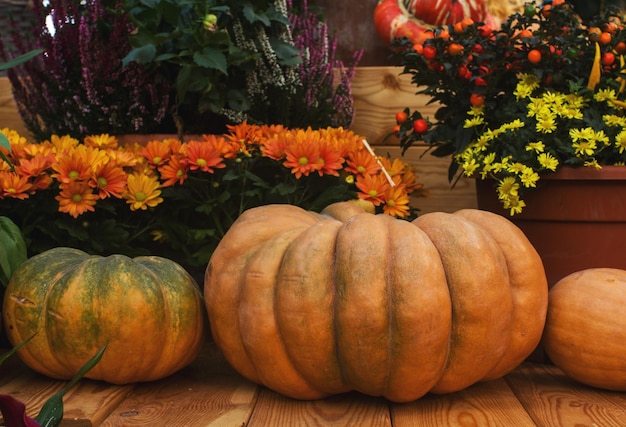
(207, 49)
(12, 249)
(20, 59)
(51, 413)
(540, 92)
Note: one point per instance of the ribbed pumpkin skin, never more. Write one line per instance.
(310, 306)
(148, 310)
(585, 333)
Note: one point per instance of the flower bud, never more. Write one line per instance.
(210, 22)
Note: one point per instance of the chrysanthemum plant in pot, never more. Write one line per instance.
(177, 199)
(518, 102)
(525, 110)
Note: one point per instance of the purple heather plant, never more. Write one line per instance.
(315, 91)
(320, 68)
(79, 86)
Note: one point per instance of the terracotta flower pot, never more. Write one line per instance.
(575, 218)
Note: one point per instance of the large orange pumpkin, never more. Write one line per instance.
(148, 310)
(585, 332)
(311, 306)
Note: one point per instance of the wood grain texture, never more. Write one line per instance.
(210, 393)
(206, 393)
(9, 117)
(553, 399)
(350, 409)
(379, 92)
(489, 403)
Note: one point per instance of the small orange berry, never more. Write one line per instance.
(467, 21)
(443, 34)
(608, 58)
(477, 99)
(455, 49)
(401, 117)
(594, 34)
(546, 10)
(605, 38)
(534, 56)
(420, 126)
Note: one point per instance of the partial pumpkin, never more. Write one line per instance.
(311, 306)
(148, 310)
(585, 333)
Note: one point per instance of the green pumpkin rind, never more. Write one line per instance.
(148, 309)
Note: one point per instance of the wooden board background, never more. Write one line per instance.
(379, 91)
(9, 117)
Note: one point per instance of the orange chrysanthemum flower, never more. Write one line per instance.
(78, 163)
(361, 162)
(350, 142)
(174, 171)
(123, 158)
(41, 183)
(228, 148)
(373, 188)
(110, 180)
(63, 143)
(102, 141)
(73, 167)
(396, 202)
(17, 143)
(143, 192)
(244, 137)
(32, 168)
(330, 158)
(394, 168)
(76, 198)
(157, 153)
(303, 153)
(274, 146)
(204, 156)
(14, 186)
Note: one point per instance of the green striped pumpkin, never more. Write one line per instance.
(148, 310)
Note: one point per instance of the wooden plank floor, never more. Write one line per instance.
(210, 393)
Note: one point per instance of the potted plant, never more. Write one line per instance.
(78, 86)
(179, 66)
(177, 199)
(520, 105)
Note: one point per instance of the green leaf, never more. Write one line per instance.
(12, 249)
(4, 143)
(211, 58)
(5, 356)
(51, 413)
(287, 53)
(143, 55)
(20, 59)
(252, 16)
